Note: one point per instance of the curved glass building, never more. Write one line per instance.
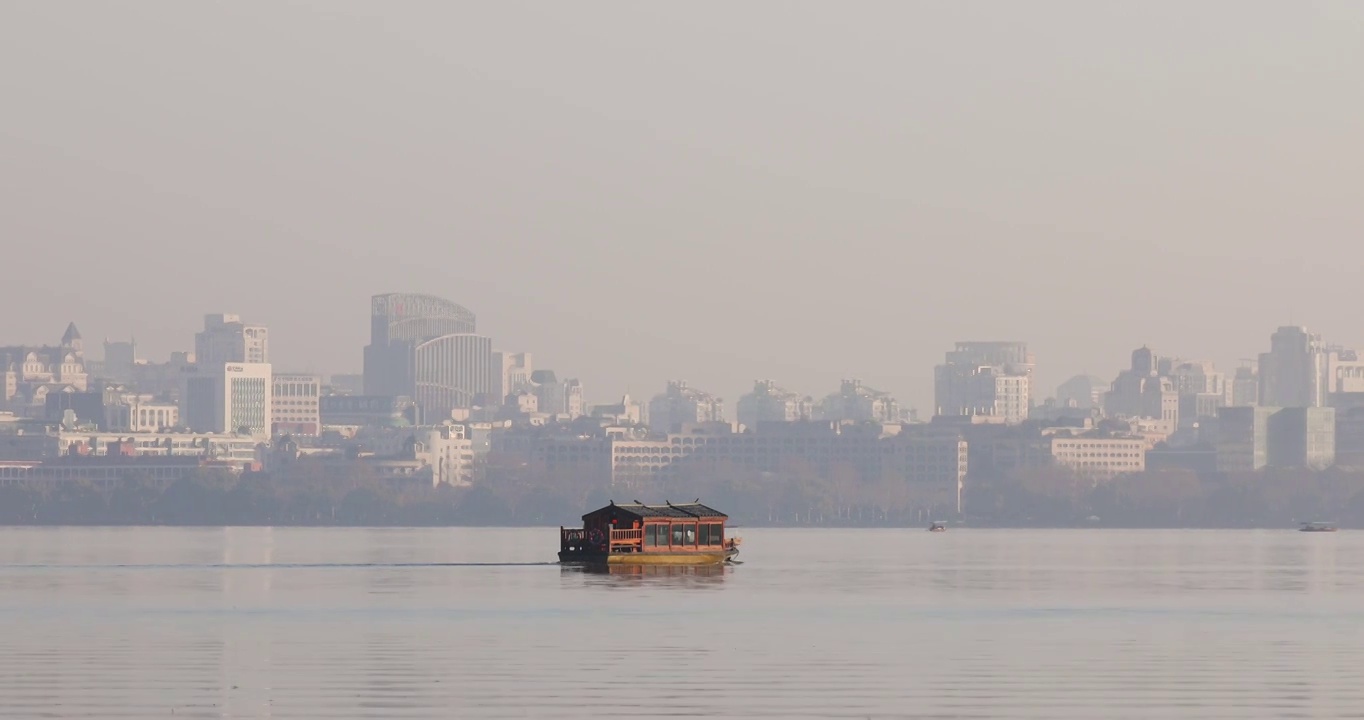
(426, 348)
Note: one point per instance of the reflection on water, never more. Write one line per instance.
(633, 575)
(434, 623)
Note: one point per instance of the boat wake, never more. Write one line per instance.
(276, 566)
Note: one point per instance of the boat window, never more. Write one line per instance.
(657, 535)
(705, 534)
(691, 534)
(717, 534)
(679, 535)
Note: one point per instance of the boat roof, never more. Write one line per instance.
(665, 510)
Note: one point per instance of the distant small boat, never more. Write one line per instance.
(937, 527)
(1317, 527)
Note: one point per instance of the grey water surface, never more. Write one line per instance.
(480, 623)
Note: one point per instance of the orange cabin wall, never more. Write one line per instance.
(601, 520)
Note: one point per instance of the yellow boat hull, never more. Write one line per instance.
(651, 558)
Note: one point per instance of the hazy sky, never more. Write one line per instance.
(716, 191)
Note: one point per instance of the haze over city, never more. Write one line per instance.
(779, 358)
(803, 191)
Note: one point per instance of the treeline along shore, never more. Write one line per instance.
(1050, 497)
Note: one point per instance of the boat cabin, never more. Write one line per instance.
(639, 528)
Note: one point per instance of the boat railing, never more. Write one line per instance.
(629, 536)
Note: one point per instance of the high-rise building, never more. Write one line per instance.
(679, 405)
(1244, 388)
(1202, 390)
(399, 322)
(119, 359)
(855, 402)
(1141, 392)
(1296, 370)
(425, 348)
(451, 371)
(575, 402)
(226, 339)
(228, 398)
(991, 379)
(514, 371)
(770, 402)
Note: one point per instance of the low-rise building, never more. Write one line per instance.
(1099, 457)
(110, 468)
(240, 450)
(935, 464)
(365, 410)
(625, 412)
(296, 407)
(140, 414)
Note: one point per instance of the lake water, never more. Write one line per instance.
(476, 623)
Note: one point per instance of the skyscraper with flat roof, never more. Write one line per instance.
(1295, 372)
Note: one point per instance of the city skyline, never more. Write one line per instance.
(715, 219)
(1034, 393)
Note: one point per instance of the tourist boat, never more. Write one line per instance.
(937, 527)
(1317, 527)
(639, 534)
